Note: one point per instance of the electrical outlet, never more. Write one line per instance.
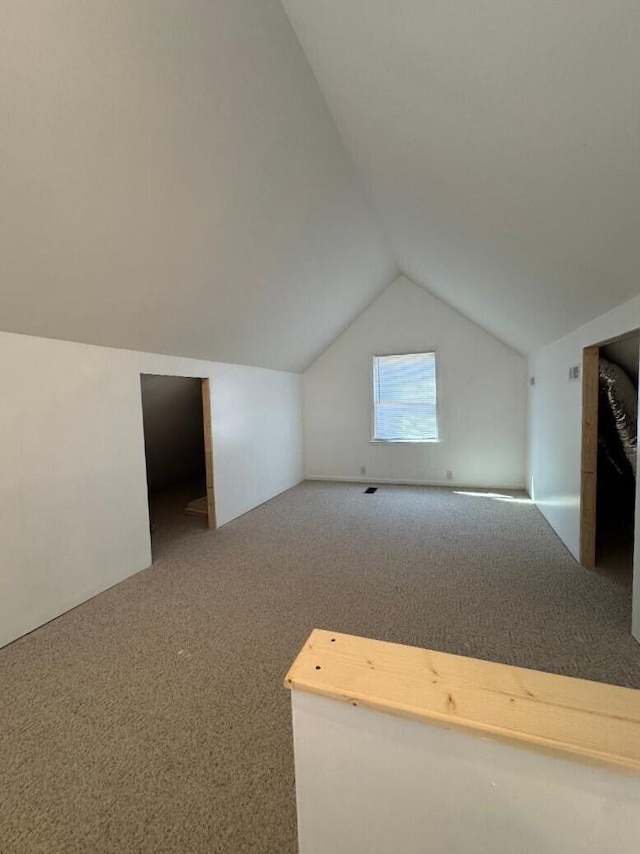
(363, 469)
(532, 380)
(449, 475)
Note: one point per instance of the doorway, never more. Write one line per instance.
(176, 415)
(609, 439)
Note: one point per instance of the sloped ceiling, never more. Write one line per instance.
(171, 180)
(500, 143)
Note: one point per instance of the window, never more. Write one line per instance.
(404, 398)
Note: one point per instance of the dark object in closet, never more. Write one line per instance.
(618, 418)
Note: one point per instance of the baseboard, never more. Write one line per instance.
(451, 484)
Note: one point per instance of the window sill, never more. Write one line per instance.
(405, 441)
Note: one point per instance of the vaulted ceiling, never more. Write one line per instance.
(500, 144)
(174, 179)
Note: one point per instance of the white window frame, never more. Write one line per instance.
(373, 439)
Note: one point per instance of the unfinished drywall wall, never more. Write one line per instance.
(481, 398)
(173, 429)
(73, 493)
(555, 430)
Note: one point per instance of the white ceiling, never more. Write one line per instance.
(171, 180)
(500, 143)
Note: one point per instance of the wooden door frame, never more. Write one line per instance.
(208, 452)
(589, 465)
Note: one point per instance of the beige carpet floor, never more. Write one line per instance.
(153, 718)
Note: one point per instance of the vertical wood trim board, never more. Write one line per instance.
(208, 452)
(589, 466)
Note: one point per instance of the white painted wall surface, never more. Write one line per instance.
(481, 397)
(257, 436)
(555, 430)
(73, 503)
(371, 783)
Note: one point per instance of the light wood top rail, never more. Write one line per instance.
(580, 719)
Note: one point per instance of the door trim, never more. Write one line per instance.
(208, 452)
(589, 464)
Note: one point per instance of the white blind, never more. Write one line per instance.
(404, 398)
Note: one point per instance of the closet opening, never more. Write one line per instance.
(176, 415)
(610, 418)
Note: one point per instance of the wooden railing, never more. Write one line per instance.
(468, 752)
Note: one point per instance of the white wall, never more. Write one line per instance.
(371, 783)
(73, 502)
(257, 436)
(481, 394)
(555, 429)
